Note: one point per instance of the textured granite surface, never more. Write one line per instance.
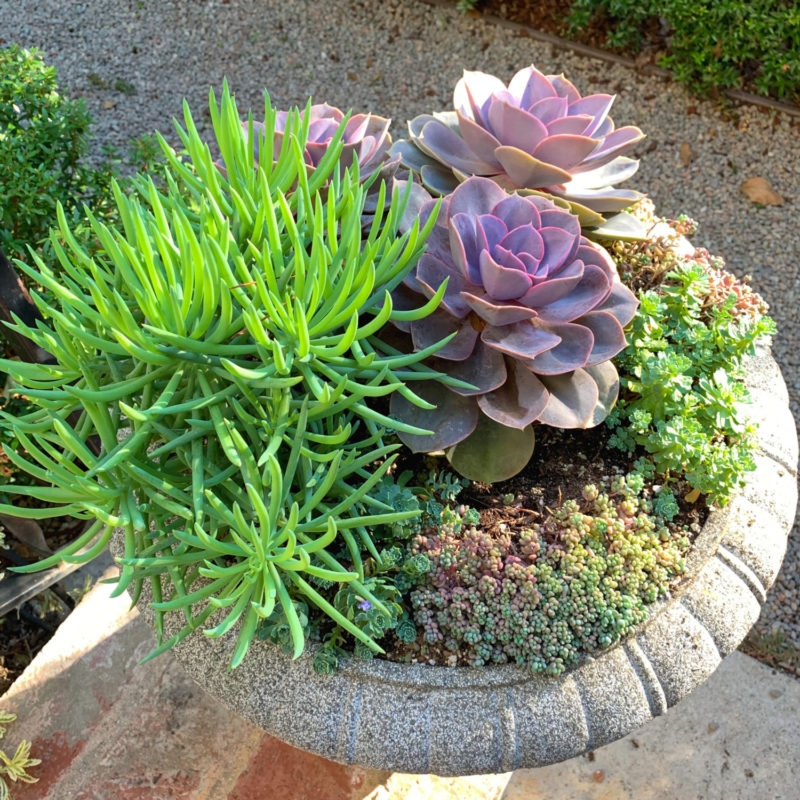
(462, 720)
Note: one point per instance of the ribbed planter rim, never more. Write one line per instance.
(470, 720)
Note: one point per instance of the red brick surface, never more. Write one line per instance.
(109, 728)
(279, 770)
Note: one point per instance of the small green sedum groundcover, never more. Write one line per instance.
(269, 372)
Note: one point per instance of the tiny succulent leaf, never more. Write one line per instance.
(493, 452)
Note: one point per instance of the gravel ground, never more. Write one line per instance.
(401, 58)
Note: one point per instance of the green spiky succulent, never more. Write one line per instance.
(15, 767)
(215, 362)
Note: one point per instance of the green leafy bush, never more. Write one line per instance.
(713, 44)
(44, 138)
(681, 377)
(222, 346)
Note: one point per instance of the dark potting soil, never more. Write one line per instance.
(24, 631)
(58, 532)
(564, 461)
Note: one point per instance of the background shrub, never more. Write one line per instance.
(710, 45)
(44, 138)
(713, 44)
(44, 142)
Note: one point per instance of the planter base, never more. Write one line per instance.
(469, 720)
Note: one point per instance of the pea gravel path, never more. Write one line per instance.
(401, 58)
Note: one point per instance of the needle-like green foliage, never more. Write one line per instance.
(216, 360)
(15, 768)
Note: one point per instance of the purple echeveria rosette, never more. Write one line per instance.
(536, 308)
(366, 137)
(366, 141)
(537, 133)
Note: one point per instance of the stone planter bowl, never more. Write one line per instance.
(469, 720)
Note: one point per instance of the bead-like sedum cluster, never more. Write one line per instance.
(546, 596)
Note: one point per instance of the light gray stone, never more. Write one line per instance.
(735, 738)
(615, 701)
(406, 713)
(772, 487)
(756, 537)
(762, 373)
(651, 685)
(754, 583)
(551, 721)
(466, 732)
(468, 720)
(680, 651)
(723, 604)
(776, 428)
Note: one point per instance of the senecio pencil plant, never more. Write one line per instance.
(213, 365)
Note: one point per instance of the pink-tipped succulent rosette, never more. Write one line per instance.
(536, 133)
(535, 310)
(365, 140)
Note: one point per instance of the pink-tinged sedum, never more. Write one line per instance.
(547, 596)
(536, 133)
(749, 306)
(536, 312)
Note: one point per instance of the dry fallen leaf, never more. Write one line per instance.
(109, 103)
(26, 531)
(692, 496)
(687, 156)
(759, 190)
